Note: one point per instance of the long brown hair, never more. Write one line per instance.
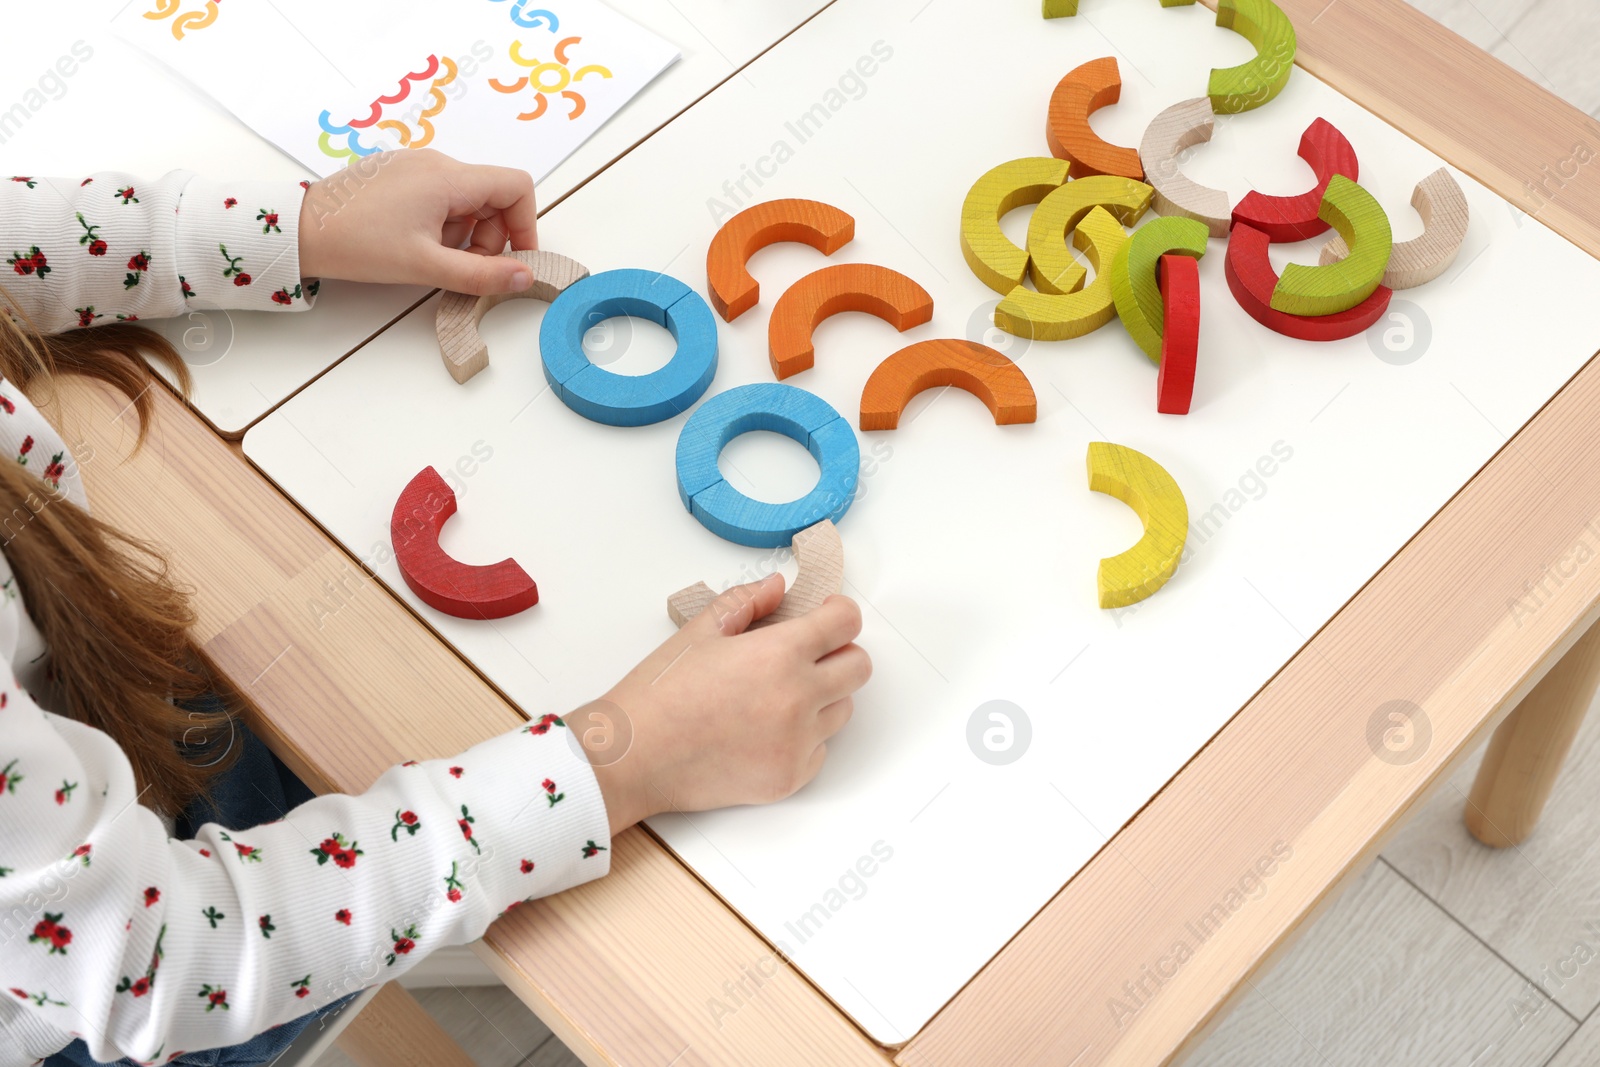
(116, 623)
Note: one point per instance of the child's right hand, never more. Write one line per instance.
(719, 717)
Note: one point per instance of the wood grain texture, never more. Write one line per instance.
(460, 314)
(1299, 218)
(1083, 91)
(1387, 977)
(993, 257)
(819, 555)
(1181, 126)
(888, 294)
(1530, 748)
(1257, 80)
(1252, 280)
(1051, 317)
(349, 684)
(1146, 487)
(1443, 206)
(982, 371)
(733, 290)
(1133, 275)
(1342, 285)
(1050, 263)
(394, 1031)
(467, 591)
(1180, 334)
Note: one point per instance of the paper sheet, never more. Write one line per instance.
(517, 83)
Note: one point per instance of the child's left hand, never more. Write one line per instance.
(401, 216)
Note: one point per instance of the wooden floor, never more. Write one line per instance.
(1445, 952)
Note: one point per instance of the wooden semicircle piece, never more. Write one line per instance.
(455, 588)
(1060, 317)
(460, 314)
(1169, 133)
(1252, 281)
(733, 290)
(1146, 487)
(1134, 284)
(1050, 264)
(1083, 91)
(888, 294)
(1056, 9)
(1297, 218)
(993, 257)
(1255, 81)
(819, 555)
(1340, 286)
(1443, 207)
(977, 368)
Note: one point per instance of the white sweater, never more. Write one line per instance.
(146, 946)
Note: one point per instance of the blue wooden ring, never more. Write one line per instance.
(629, 399)
(795, 413)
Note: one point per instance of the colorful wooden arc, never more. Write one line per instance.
(798, 415)
(1134, 286)
(888, 294)
(1180, 334)
(1297, 218)
(455, 588)
(996, 261)
(605, 396)
(733, 290)
(1085, 90)
(977, 368)
(1052, 317)
(1253, 281)
(1340, 286)
(460, 314)
(1255, 81)
(1178, 127)
(1146, 487)
(1050, 263)
(819, 556)
(1443, 207)
(1055, 9)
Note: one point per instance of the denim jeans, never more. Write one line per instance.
(257, 789)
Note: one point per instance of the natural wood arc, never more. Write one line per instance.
(1527, 752)
(395, 1031)
(888, 294)
(819, 556)
(1297, 218)
(1083, 91)
(982, 371)
(1182, 126)
(467, 591)
(349, 684)
(460, 314)
(990, 254)
(733, 290)
(1445, 214)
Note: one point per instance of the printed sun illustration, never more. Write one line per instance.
(549, 78)
(189, 20)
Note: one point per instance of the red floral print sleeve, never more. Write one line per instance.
(115, 248)
(146, 946)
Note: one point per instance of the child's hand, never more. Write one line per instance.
(720, 717)
(401, 216)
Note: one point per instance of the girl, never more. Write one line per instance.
(165, 884)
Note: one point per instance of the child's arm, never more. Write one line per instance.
(145, 945)
(110, 247)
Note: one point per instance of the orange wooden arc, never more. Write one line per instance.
(979, 369)
(1083, 91)
(733, 290)
(888, 294)
(440, 581)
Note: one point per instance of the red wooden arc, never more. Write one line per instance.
(733, 290)
(1082, 92)
(979, 369)
(1180, 336)
(888, 294)
(1252, 280)
(455, 588)
(1294, 218)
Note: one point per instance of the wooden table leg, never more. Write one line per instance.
(1527, 751)
(395, 1031)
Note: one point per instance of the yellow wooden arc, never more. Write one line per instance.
(1146, 487)
(1050, 264)
(1059, 317)
(993, 257)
